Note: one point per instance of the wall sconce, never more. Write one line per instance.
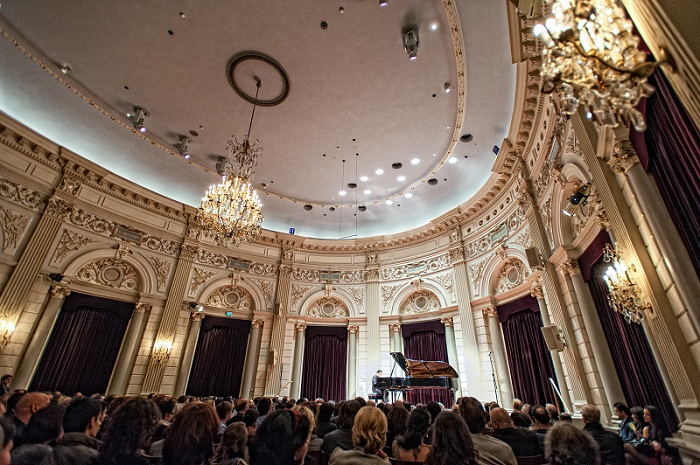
(625, 296)
(162, 351)
(577, 200)
(6, 329)
(195, 306)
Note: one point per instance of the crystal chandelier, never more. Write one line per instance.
(624, 296)
(590, 58)
(231, 211)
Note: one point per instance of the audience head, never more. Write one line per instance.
(565, 416)
(83, 415)
(242, 405)
(190, 438)
(282, 439)
(224, 411)
(233, 443)
(325, 412)
(29, 404)
(7, 428)
(590, 414)
(517, 405)
(131, 424)
(347, 414)
(659, 429)
(567, 445)
(526, 409)
(434, 408)
(637, 414)
(520, 419)
(397, 420)
(472, 412)
(44, 426)
(622, 411)
(167, 408)
(369, 429)
(310, 417)
(500, 419)
(539, 413)
(264, 406)
(361, 400)
(553, 411)
(452, 442)
(416, 429)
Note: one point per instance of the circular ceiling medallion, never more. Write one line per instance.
(246, 68)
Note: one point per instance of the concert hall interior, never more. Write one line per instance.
(425, 193)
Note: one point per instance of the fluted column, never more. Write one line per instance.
(35, 349)
(505, 385)
(183, 373)
(119, 382)
(273, 381)
(604, 362)
(352, 361)
(452, 349)
(373, 309)
(396, 340)
(297, 366)
(538, 293)
(251, 359)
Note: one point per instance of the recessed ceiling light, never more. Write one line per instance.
(363, 178)
(408, 195)
(415, 161)
(452, 160)
(401, 178)
(435, 154)
(434, 26)
(379, 171)
(342, 193)
(367, 191)
(389, 202)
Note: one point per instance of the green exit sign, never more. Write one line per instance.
(229, 313)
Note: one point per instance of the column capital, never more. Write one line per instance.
(353, 329)
(257, 323)
(142, 308)
(457, 255)
(395, 327)
(447, 321)
(526, 199)
(570, 267)
(197, 316)
(189, 251)
(60, 292)
(489, 312)
(285, 271)
(300, 327)
(536, 290)
(372, 274)
(623, 156)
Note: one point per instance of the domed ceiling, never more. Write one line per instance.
(358, 117)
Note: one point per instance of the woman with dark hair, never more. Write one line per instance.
(190, 438)
(652, 445)
(452, 442)
(130, 426)
(281, 439)
(232, 449)
(410, 446)
(625, 416)
(396, 419)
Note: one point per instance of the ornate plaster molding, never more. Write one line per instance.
(14, 226)
(230, 296)
(623, 156)
(59, 292)
(266, 287)
(417, 268)
(445, 280)
(476, 271)
(111, 273)
(70, 241)
(199, 277)
(298, 292)
(353, 329)
(395, 327)
(257, 323)
(328, 307)
(447, 321)
(388, 292)
(420, 301)
(512, 275)
(162, 269)
(358, 294)
(489, 312)
(21, 195)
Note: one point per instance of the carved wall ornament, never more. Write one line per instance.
(524, 239)
(445, 280)
(353, 329)
(489, 312)
(558, 176)
(58, 291)
(623, 157)
(197, 316)
(570, 268)
(189, 252)
(207, 257)
(298, 292)
(358, 294)
(512, 275)
(21, 195)
(69, 185)
(232, 297)
(602, 217)
(526, 199)
(456, 255)
(194, 230)
(476, 271)
(111, 273)
(539, 185)
(388, 292)
(416, 268)
(263, 269)
(70, 242)
(142, 308)
(13, 225)
(162, 269)
(266, 287)
(287, 252)
(300, 327)
(328, 307)
(372, 256)
(536, 290)
(395, 327)
(447, 321)
(454, 235)
(257, 323)
(58, 208)
(421, 301)
(122, 251)
(285, 272)
(546, 213)
(372, 274)
(314, 276)
(497, 235)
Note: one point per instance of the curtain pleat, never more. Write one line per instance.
(325, 362)
(424, 343)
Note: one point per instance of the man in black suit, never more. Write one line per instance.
(612, 449)
(523, 441)
(375, 389)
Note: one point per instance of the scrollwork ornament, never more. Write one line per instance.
(489, 312)
(188, 251)
(300, 327)
(456, 255)
(570, 268)
(111, 273)
(70, 242)
(623, 157)
(395, 327)
(420, 301)
(512, 275)
(298, 292)
(21, 195)
(58, 208)
(199, 277)
(536, 291)
(372, 274)
(447, 321)
(142, 308)
(197, 317)
(13, 226)
(328, 307)
(59, 292)
(231, 297)
(353, 329)
(258, 323)
(162, 269)
(287, 252)
(69, 185)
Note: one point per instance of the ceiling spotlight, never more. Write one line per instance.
(401, 178)
(452, 160)
(352, 185)
(138, 117)
(362, 208)
(195, 306)
(389, 202)
(432, 181)
(577, 200)
(367, 191)
(434, 26)
(182, 147)
(408, 195)
(342, 193)
(447, 87)
(364, 178)
(415, 161)
(410, 43)
(66, 69)
(379, 171)
(383, 3)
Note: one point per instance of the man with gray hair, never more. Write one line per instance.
(612, 449)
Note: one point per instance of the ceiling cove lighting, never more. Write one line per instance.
(401, 178)
(408, 195)
(590, 58)
(415, 161)
(231, 212)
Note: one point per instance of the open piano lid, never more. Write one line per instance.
(424, 368)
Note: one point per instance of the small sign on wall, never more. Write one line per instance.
(128, 234)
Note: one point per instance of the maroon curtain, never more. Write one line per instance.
(634, 361)
(670, 151)
(426, 341)
(83, 345)
(217, 367)
(528, 357)
(325, 362)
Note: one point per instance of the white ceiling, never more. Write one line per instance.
(352, 80)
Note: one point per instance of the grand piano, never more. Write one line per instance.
(420, 374)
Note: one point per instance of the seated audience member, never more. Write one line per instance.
(368, 438)
(652, 444)
(452, 442)
(523, 442)
(281, 439)
(263, 409)
(625, 416)
(517, 405)
(324, 425)
(396, 419)
(542, 423)
(410, 446)
(27, 405)
(553, 412)
(250, 418)
(232, 448)
(526, 409)
(44, 427)
(567, 445)
(225, 412)
(342, 437)
(167, 412)
(81, 422)
(190, 438)
(314, 443)
(5, 385)
(565, 416)
(130, 426)
(521, 419)
(7, 432)
(491, 451)
(242, 405)
(612, 450)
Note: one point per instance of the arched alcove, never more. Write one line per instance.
(106, 267)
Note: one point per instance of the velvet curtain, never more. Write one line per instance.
(217, 367)
(426, 341)
(325, 363)
(528, 357)
(83, 346)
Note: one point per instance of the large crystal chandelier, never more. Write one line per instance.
(624, 296)
(590, 58)
(231, 211)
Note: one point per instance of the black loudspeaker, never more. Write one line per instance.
(553, 338)
(533, 257)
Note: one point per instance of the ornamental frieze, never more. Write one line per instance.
(420, 301)
(498, 234)
(199, 277)
(328, 307)
(416, 268)
(70, 242)
(232, 297)
(13, 226)
(162, 269)
(111, 273)
(21, 195)
(317, 276)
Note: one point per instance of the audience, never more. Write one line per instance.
(131, 425)
(190, 439)
(281, 439)
(397, 420)
(7, 431)
(542, 423)
(491, 451)
(81, 423)
(452, 442)
(612, 450)
(368, 438)
(523, 442)
(43, 428)
(342, 437)
(232, 448)
(324, 425)
(567, 445)
(626, 423)
(410, 446)
(27, 405)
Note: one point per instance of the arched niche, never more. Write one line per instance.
(562, 231)
(325, 303)
(509, 273)
(420, 301)
(222, 293)
(108, 268)
(427, 284)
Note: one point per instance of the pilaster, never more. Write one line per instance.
(505, 384)
(183, 374)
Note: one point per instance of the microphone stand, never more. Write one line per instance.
(493, 376)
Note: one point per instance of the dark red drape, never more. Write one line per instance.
(83, 345)
(325, 362)
(426, 341)
(528, 357)
(634, 361)
(217, 367)
(670, 152)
